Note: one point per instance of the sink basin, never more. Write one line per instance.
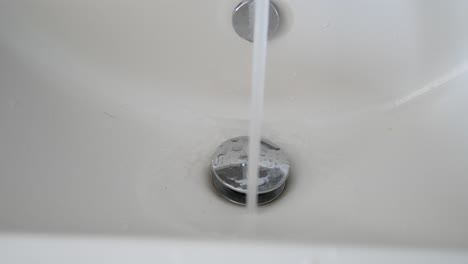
(109, 115)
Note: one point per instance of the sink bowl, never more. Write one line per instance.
(110, 113)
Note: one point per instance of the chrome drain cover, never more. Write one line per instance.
(229, 164)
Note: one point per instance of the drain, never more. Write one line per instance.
(229, 164)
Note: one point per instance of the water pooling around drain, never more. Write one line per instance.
(230, 163)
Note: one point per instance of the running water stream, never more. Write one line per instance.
(257, 94)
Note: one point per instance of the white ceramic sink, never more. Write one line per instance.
(109, 114)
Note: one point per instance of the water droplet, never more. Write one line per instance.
(237, 147)
(218, 159)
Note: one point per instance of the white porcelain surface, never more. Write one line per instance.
(109, 113)
(104, 250)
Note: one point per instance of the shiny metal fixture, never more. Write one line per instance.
(229, 164)
(243, 19)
